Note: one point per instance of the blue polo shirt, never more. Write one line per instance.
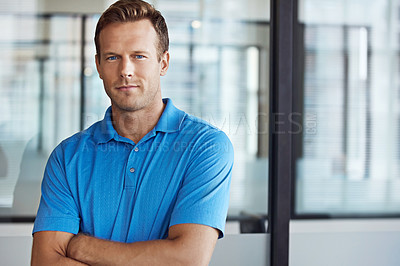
(100, 183)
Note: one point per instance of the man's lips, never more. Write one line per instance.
(127, 87)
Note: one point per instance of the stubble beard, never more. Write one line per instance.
(133, 103)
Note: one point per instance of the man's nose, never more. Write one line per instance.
(127, 68)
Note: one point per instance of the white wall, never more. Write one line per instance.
(364, 242)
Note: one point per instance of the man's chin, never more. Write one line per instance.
(128, 107)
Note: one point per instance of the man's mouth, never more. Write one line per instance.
(127, 87)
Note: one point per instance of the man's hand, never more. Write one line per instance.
(187, 244)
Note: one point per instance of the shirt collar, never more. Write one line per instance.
(105, 132)
(170, 121)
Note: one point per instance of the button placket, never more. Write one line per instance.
(131, 168)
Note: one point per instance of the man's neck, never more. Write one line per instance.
(136, 124)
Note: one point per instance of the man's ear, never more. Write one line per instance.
(97, 58)
(164, 63)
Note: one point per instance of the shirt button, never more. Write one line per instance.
(136, 149)
(132, 170)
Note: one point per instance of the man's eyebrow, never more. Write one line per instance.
(133, 52)
(107, 54)
(140, 52)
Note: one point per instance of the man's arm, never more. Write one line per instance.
(187, 244)
(50, 248)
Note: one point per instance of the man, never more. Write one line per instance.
(149, 184)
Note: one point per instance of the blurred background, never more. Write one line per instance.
(346, 113)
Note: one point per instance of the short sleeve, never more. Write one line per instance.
(57, 209)
(204, 195)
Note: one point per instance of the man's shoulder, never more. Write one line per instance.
(205, 132)
(84, 137)
(194, 122)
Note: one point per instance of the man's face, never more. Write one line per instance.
(129, 66)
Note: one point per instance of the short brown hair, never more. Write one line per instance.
(131, 11)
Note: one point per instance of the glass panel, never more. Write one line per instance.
(349, 159)
(39, 97)
(222, 54)
(221, 84)
(96, 100)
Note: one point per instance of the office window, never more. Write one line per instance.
(218, 71)
(349, 158)
(39, 97)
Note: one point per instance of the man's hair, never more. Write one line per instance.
(131, 11)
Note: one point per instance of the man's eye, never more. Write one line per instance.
(139, 56)
(112, 57)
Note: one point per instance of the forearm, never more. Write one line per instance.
(55, 259)
(95, 251)
(50, 248)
